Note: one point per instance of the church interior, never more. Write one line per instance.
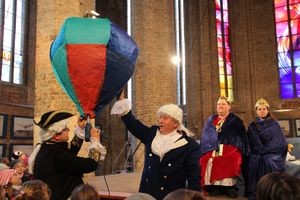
(191, 52)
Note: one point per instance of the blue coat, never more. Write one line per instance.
(179, 167)
(268, 151)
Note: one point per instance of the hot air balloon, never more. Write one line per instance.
(92, 59)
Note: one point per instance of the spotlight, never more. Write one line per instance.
(175, 60)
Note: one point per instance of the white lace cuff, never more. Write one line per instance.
(95, 144)
(121, 107)
(79, 132)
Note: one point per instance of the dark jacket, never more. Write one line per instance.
(60, 168)
(268, 151)
(178, 169)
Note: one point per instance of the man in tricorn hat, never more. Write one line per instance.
(55, 162)
(171, 156)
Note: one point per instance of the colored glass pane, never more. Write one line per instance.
(225, 5)
(219, 31)
(296, 42)
(226, 41)
(229, 81)
(283, 44)
(227, 54)
(297, 74)
(286, 75)
(223, 92)
(284, 60)
(298, 90)
(281, 14)
(221, 68)
(222, 81)
(220, 53)
(294, 26)
(218, 4)
(297, 58)
(282, 29)
(219, 40)
(218, 16)
(226, 27)
(221, 63)
(287, 91)
(294, 11)
(228, 68)
(279, 3)
(225, 16)
(293, 1)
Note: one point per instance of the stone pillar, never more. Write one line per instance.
(154, 82)
(203, 84)
(50, 17)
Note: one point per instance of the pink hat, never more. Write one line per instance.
(5, 176)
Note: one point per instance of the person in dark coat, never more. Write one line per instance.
(268, 147)
(171, 156)
(56, 163)
(223, 146)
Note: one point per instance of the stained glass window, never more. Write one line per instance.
(225, 67)
(287, 18)
(12, 47)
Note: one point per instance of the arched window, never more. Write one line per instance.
(225, 67)
(287, 18)
(12, 37)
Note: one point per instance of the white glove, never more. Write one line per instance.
(121, 107)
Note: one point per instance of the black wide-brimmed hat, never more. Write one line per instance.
(51, 117)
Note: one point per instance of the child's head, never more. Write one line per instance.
(34, 190)
(84, 191)
(9, 176)
(18, 165)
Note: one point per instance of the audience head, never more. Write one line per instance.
(140, 196)
(18, 165)
(34, 190)
(84, 192)
(184, 194)
(278, 186)
(9, 176)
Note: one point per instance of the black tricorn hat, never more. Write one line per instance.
(51, 117)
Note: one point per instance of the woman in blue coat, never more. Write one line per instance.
(268, 147)
(171, 156)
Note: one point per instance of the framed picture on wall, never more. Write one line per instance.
(22, 127)
(25, 148)
(285, 125)
(2, 150)
(297, 125)
(3, 125)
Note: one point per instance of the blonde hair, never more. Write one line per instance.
(34, 190)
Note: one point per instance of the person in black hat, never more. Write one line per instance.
(55, 162)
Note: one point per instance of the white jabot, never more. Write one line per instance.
(162, 143)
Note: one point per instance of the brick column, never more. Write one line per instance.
(154, 82)
(50, 17)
